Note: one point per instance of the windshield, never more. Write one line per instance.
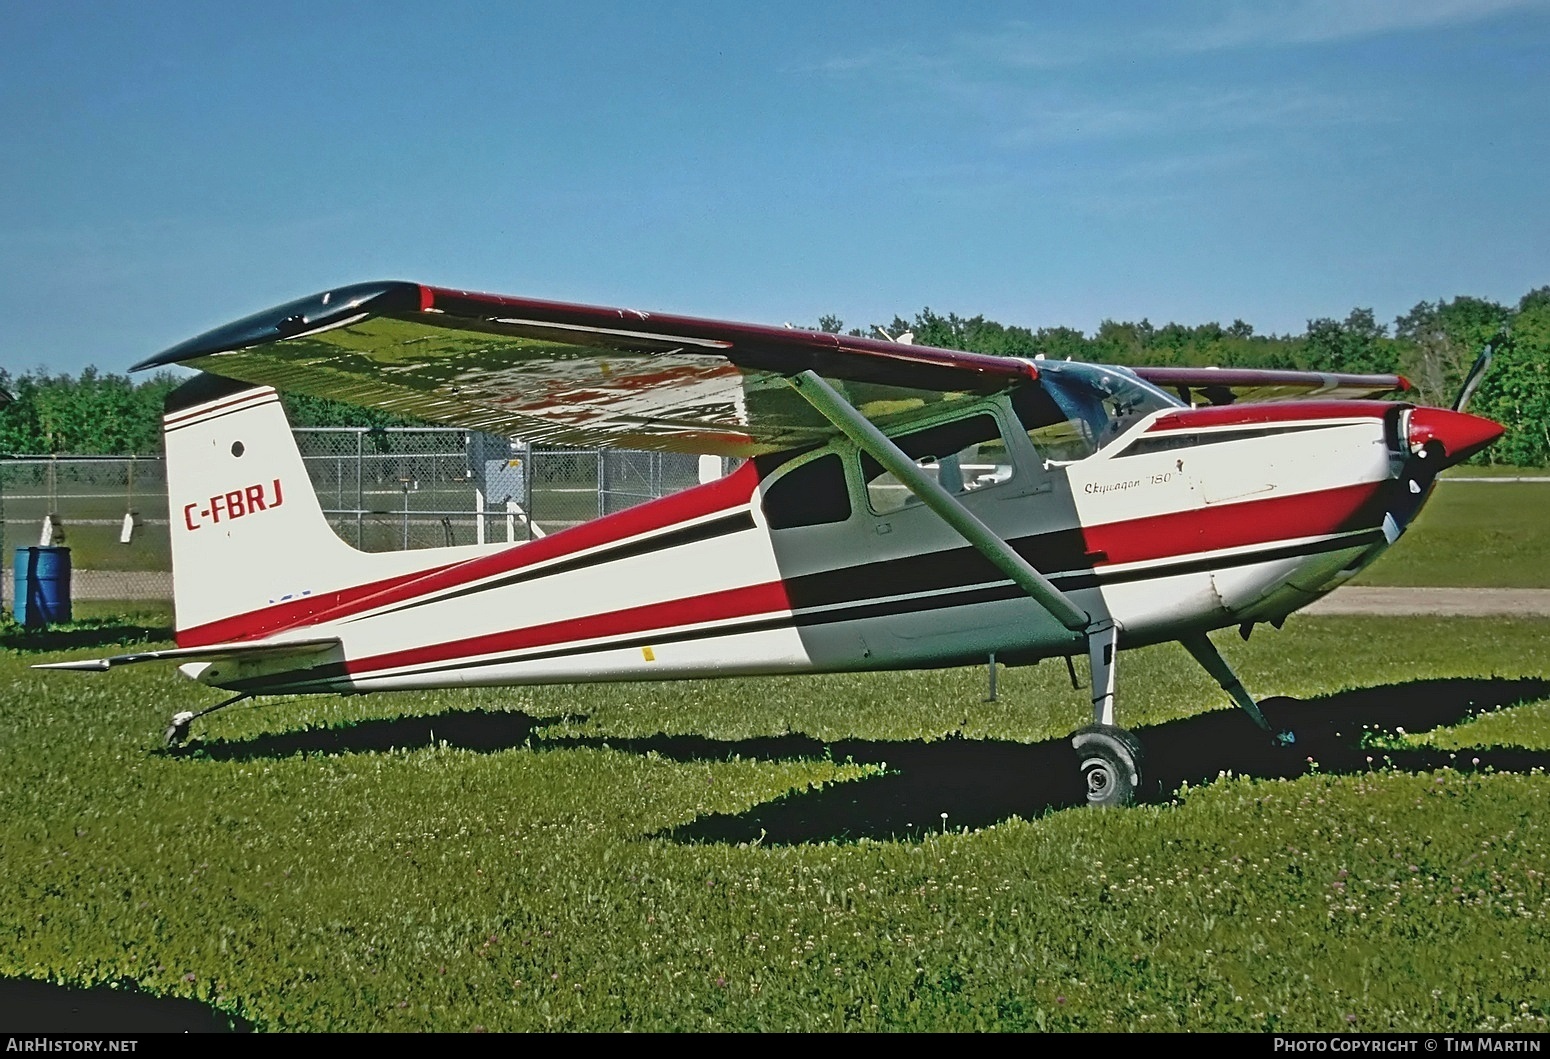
(1080, 408)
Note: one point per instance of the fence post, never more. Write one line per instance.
(3, 550)
(360, 495)
(527, 485)
(603, 482)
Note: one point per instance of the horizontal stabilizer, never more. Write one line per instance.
(212, 653)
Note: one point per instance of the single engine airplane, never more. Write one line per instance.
(898, 506)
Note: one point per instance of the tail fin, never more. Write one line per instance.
(247, 529)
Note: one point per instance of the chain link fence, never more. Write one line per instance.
(381, 490)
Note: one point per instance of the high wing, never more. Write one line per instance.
(554, 372)
(575, 374)
(1198, 386)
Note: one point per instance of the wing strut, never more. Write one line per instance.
(1204, 651)
(861, 430)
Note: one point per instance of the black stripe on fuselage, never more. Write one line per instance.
(1190, 439)
(857, 609)
(704, 531)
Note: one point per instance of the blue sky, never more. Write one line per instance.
(168, 167)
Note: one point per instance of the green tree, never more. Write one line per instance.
(1358, 344)
(92, 415)
(1061, 343)
(1516, 391)
(304, 410)
(1439, 342)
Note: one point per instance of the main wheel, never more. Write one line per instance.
(1111, 765)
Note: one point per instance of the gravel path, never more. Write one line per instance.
(1454, 601)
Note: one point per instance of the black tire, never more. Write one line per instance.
(1111, 765)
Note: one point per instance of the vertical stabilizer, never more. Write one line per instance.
(247, 530)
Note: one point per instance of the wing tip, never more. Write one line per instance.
(316, 312)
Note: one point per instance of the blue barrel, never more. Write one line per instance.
(42, 586)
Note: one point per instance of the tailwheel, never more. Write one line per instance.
(1111, 761)
(177, 731)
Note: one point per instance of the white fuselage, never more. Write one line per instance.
(1193, 519)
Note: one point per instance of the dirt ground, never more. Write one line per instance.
(1353, 599)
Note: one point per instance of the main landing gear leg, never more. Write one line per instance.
(1110, 757)
(1204, 651)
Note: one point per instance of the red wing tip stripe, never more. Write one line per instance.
(253, 398)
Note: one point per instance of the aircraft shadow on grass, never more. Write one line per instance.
(954, 783)
(28, 1006)
(128, 635)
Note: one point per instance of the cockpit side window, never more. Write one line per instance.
(810, 495)
(1077, 409)
(1056, 434)
(964, 455)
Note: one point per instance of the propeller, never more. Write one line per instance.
(1477, 372)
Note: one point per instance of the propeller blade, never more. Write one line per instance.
(1476, 373)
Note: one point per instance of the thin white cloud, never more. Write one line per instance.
(1249, 25)
(1025, 45)
(1195, 111)
(1028, 82)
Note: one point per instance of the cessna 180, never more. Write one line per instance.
(898, 506)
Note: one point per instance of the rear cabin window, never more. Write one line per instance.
(810, 495)
(964, 455)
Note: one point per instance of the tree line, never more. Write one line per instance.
(96, 414)
(1433, 345)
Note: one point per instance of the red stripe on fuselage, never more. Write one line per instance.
(1156, 537)
(726, 605)
(1289, 412)
(722, 495)
(1236, 525)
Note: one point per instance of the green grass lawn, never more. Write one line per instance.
(1495, 470)
(880, 852)
(1477, 534)
(887, 852)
